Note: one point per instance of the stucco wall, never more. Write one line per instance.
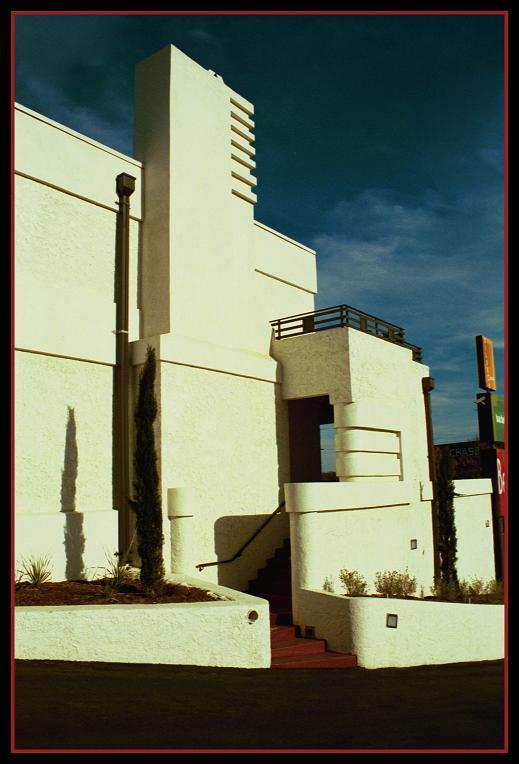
(365, 522)
(63, 458)
(65, 159)
(219, 633)
(65, 260)
(78, 544)
(65, 222)
(224, 438)
(426, 632)
(65, 229)
(367, 540)
(474, 529)
(315, 364)
(207, 291)
(63, 434)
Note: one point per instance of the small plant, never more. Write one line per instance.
(446, 591)
(494, 588)
(471, 588)
(353, 582)
(328, 585)
(118, 573)
(36, 570)
(393, 583)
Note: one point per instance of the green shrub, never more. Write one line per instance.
(472, 587)
(393, 583)
(494, 587)
(447, 538)
(36, 570)
(446, 590)
(147, 504)
(353, 582)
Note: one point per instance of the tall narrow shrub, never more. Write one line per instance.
(147, 500)
(447, 528)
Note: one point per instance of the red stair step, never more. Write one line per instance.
(282, 634)
(299, 647)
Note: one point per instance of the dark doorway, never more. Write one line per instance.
(305, 417)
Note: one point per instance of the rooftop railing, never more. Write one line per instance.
(339, 316)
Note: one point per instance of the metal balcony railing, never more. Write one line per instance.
(339, 316)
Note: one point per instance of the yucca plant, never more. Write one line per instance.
(35, 570)
(117, 573)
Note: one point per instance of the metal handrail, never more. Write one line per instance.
(340, 316)
(203, 565)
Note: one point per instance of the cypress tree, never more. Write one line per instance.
(147, 503)
(447, 529)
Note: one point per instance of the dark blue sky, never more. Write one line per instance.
(379, 142)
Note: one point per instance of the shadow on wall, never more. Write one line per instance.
(230, 533)
(74, 538)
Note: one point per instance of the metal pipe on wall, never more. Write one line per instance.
(125, 186)
(427, 386)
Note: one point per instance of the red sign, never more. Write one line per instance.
(502, 478)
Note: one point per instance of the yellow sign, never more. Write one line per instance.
(486, 366)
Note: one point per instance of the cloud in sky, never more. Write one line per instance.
(377, 249)
(422, 264)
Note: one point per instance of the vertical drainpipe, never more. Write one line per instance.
(125, 186)
(427, 386)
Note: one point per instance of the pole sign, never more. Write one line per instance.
(491, 418)
(486, 365)
(498, 418)
(501, 481)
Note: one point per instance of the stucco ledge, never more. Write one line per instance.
(232, 632)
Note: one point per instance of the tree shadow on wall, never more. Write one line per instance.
(74, 538)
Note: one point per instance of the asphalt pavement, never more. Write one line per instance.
(68, 706)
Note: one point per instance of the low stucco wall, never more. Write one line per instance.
(365, 527)
(219, 633)
(426, 632)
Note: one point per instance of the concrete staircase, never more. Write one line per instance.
(289, 650)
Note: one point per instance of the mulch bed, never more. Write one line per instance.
(101, 592)
(478, 599)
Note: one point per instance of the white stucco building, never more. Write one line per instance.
(240, 399)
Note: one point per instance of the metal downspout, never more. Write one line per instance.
(427, 386)
(125, 186)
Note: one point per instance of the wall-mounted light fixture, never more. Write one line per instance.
(391, 620)
(414, 543)
(487, 523)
